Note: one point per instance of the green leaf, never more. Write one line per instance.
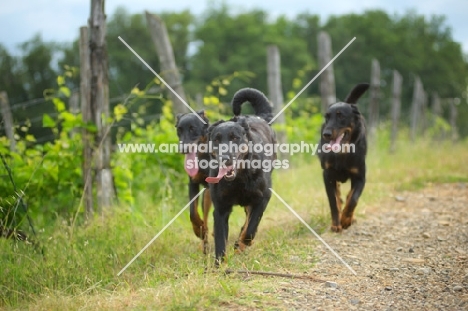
(65, 91)
(68, 116)
(119, 112)
(30, 138)
(222, 91)
(60, 80)
(297, 83)
(47, 121)
(59, 104)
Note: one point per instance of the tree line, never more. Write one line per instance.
(221, 42)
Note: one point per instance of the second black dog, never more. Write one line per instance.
(235, 181)
(192, 131)
(344, 137)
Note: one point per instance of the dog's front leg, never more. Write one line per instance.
(240, 245)
(221, 229)
(206, 211)
(357, 186)
(332, 192)
(197, 223)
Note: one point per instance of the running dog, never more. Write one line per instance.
(192, 131)
(344, 128)
(234, 181)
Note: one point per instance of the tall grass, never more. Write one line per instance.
(79, 271)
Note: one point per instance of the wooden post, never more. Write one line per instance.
(87, 137)
(374, 98)
(396, 107)
(453, 118)
(424, 114)
(7, 119)
(436, 106)
(199, 101)
(100, 103)
(327, 78)
(416, 107)
(275, 90)
(436, 114)
(170, 73)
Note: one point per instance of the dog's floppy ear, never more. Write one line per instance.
(178, 116)
(356, 93)
(201, 113)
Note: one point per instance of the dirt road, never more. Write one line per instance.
(410, 253)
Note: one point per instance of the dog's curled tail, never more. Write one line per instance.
(257, 99)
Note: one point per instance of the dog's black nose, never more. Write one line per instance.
(327, 134)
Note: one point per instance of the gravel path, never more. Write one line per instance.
(410, 253)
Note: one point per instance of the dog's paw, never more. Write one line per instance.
(240, 246)
(336, 228)
(200, 231)
(347, 221)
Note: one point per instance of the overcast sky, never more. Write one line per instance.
(59, 20)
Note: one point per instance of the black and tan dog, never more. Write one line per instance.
(192, 131)
(344, 128)
(234, 181)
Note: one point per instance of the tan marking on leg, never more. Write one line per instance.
(347, 216)
(240, 242)
(206, 212)
(197, 223)
(354, 170)
(339, 202)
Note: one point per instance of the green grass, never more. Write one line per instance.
(79, 271)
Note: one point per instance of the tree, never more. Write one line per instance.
(37, 68)
(229, 43)
(411, 44)
(10, 77)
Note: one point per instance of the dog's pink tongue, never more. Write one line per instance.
(335, 142)
(190, 164)
(222, 171)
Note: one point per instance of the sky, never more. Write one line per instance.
(59, 20)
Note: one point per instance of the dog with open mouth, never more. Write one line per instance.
(235, 181)
(192, 132)
(343, 147)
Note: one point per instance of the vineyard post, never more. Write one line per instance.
(396, 107)
(374, 94)
(87, 136)
(170, 73)
(7, 119)
(327, 78)
(275, 92)
(99, 101)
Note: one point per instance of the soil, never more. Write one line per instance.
(409, 253)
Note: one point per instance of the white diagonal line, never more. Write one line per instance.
(313, 79)
(312, 230)
(162, 80)
(159, 233)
